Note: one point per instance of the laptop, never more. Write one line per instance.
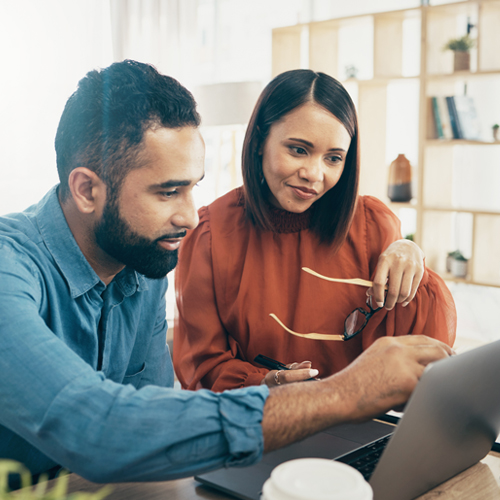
(450, 423)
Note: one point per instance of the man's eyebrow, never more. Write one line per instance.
(174, 183)
(170, 184)
(311, 145)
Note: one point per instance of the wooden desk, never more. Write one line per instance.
(480, 482)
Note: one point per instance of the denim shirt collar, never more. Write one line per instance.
(65, 251)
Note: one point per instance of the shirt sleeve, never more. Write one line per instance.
(432, 312)
(104, 431)
(205, 354)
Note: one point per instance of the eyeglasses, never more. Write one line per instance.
(353, 324)
(358, 319)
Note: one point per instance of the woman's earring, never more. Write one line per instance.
(262, 179)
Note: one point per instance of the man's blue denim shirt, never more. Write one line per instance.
(85, 374)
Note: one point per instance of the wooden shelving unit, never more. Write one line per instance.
(403, 50)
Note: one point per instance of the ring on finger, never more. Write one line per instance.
(277, 377)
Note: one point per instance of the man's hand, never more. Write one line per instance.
(385, 375)
(297, 373)
(380, 379)
(401, 267)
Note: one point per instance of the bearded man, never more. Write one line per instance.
(85, 373)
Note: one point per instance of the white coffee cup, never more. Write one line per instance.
(316, 479)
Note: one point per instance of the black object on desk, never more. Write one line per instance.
(270, 363)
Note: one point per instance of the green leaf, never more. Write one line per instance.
(39, 492)
(463, 44)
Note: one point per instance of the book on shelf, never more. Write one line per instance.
(437, 118)
(455, 117)
(445, 118)
(455, 125)
(467, 117)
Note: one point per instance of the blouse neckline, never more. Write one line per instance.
(282, 221)
(289, 222)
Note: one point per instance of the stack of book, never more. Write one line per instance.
(455, 117)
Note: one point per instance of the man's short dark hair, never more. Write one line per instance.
(104, 121)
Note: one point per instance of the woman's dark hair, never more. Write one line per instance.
(332, 213)
(104, 121)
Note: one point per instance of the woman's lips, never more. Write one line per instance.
(303, 193)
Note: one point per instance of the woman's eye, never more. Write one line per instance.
(335, 159)
(298, 150)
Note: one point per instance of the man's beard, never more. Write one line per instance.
(117, 239)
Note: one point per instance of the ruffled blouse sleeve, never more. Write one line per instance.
(205, 354)
(432, 312)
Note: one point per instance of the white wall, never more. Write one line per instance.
(46, 48)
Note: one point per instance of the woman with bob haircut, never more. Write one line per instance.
(298, 207)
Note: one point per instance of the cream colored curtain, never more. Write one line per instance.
(46, 47)
(160, 32)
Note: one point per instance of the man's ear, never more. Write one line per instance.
(87, 189)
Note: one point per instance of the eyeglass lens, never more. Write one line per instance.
(358, 319)
(355, 322)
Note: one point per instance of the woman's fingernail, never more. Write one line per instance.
(405, 304)
(313, 373)
(380, 304)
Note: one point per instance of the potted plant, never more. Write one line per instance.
(449, 259)
(458, 264)
(351, 71)
(460, 47)
(39, 492)
(495, 128)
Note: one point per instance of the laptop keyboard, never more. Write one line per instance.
(365, 459)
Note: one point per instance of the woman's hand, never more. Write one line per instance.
(297, 372)
(400, 267)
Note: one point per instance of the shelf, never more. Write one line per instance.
(338, 21)
(402, 204)
(453, 8)
(454, 279)
(463, 75)
(459, 142)
(379, 80)
(461, 210)
(466, 281)
(395, 116)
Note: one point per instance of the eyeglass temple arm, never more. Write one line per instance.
(353, 281)
(313, 336)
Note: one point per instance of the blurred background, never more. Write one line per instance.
(388, 54)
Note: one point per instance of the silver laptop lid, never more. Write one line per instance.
(450, 423)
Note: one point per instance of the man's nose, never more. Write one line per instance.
(186, 215)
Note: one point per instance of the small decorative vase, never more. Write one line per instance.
(461, 61)
(495, 134)
(399, 188)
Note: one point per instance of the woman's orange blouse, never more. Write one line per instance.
(231, 276)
